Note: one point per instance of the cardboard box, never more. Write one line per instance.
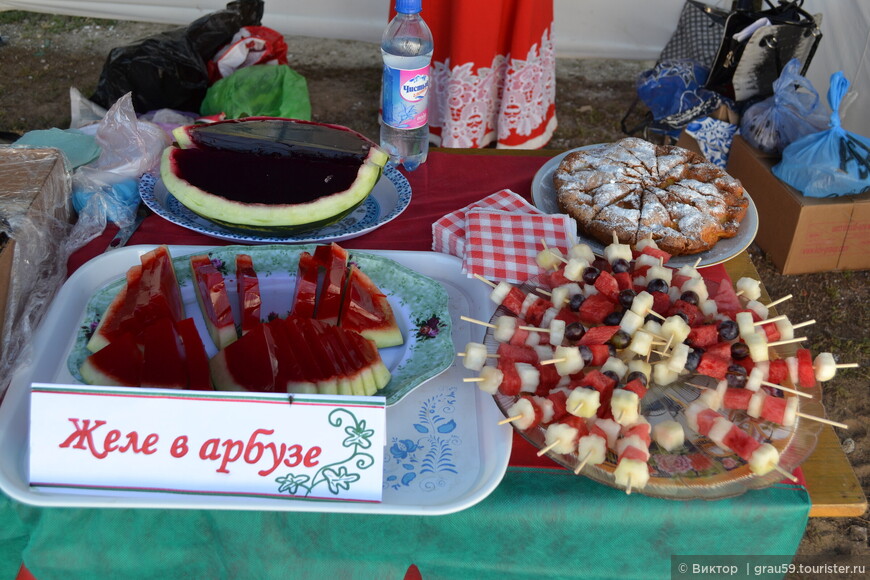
(800, 234)
(34, 195)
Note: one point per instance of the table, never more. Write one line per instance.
(540, 521)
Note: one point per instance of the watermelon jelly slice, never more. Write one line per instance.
(149, 294)
(247, 364)
(195, 356)
(248, 288)
(119, 363)
(366, 310)
(164, 366)
(305, 291)
(300, 355)
(333, 259)
(211, 295)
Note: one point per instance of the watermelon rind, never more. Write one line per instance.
(290, 218)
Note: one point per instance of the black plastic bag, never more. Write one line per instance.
(169, 70)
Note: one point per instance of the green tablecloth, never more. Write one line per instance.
(537, 523)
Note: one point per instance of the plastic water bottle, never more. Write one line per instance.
(406, 48)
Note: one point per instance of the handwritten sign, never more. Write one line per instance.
(316, 447)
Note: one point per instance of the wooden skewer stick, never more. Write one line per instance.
(804, 323)
(544, 292)
(576, 407)
(552, 361)
(547, 448)
(583, 463)
(628, 489)
(534, 328)
(656, 314)
(615, 237)
(782, 342)
(475, 321)
(787, 390)
(774, 319)
(488, 355)
(781, 300)
(473, 380)
(510, 419)
(846, 366)
(822, 420)
(485, 281)
(703, 388)
(697, 262)
(785, 473)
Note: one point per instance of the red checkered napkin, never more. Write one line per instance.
(448, 233)
(503, 246)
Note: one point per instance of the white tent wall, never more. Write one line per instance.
(626, 29)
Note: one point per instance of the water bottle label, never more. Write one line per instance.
(406, 97)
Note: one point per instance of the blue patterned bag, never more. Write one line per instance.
(830, 163)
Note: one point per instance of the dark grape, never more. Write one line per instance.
(576, 302)
(612, 375)
(637, 375)
(690, 296)
(739, 351)
(620, 339)
(611, 350)
(651, 317)
(574, 332)
(612, 319)
(728, 330)
(590, 275)
(736, 377)
(682, 315)
(620, 265)
(626, 297)
(586, 354)
(692, 360)
(657, 285)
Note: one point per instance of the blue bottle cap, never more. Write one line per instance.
(409, 6)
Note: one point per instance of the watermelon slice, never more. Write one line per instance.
(598, 335)
(703, 336)
(296, 175)
(118, 363)
(293, 376)
(595, 309)
(806, 372)
(333, 259)
(247, 364)
(111, 317)
(248, 289)
(366, 310)
(211, 295)
(608, 286)
(305, 291)
(163, 364)
(149, 294)
(195, 356)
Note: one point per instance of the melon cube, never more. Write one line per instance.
(492, 378)
(764, 459)
(625, 406)
(505, 327)
(549, 258)
(631, 474)
(676, 329)
(575, 267)
(581, 252)
(614, 252)
(568, 360)
(523, 409)
(750, 288)
(669, 434)
(616, 365)
(631, 321)
(641, 343)
(592, 449)
(475, 356)
(642, 303)
(530, 377)
(583, 402)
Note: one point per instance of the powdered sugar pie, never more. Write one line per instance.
(639, 190)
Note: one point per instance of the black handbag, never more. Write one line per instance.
(698, 35)
(746, 67)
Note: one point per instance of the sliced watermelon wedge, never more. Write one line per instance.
(333, 259)
(118, 363)
(163, 364)
(366, 310)
(211, 295)
(248, 364)
(248, 288)
(195, 356)
(111, 318)
(151, 293)
(305, 291)
(293, 376)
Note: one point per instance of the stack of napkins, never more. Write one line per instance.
(500, 236)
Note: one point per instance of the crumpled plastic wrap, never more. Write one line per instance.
(35, 215)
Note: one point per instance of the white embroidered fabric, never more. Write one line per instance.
(511, 96)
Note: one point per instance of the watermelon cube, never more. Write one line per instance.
(713, 366)
(595, 309)
(806, 372)
(598, 335)
(607, 285)
(703, 336)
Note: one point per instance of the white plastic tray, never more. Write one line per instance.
(445, 450)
